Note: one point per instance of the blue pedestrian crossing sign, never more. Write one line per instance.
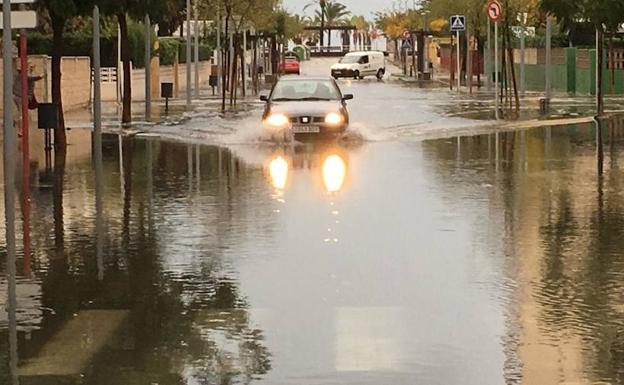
(458, 23)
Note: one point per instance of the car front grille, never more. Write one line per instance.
(306, 119)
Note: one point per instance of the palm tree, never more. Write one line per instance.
(335, 14)
(322, 4)
(361, 30)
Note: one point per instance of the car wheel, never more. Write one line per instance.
(356, 75)
(335, 77)
(380, 74)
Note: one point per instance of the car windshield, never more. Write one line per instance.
(350, 59)
(305, 90)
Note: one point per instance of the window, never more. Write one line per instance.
(305, 90)
(364, 60)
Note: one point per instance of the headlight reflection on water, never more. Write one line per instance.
(334, 173)
(278, 170)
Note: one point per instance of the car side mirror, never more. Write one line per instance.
(264, 98)
(347, 97)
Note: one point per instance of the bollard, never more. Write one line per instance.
(166, 91)
(47, 119)
(544, 105)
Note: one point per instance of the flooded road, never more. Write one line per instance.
(477, 260)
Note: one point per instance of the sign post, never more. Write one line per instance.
(23, 19)
(495, 12)
(458, 24)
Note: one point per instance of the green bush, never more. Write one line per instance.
(168, 49)
(205, 52)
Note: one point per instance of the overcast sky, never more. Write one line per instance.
(357, 7)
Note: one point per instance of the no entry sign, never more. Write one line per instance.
(494, 10)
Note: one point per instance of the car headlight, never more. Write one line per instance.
(277, 120)
(334, 119)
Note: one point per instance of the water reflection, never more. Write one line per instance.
(331, 166)
(170, 264)
(560, 230)
(112, 301)
(334, 173)
(278, 170)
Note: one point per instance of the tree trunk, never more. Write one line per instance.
(322, 26)
(513, 70)
(58, 25)
(243, 70)
(126, 114)
(234, 72)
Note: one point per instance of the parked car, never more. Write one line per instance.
(290, 65)
(357, 65)
(306, 106)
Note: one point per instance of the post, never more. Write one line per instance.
(548, 59)
(196, 30)
(25, 153)
(9, 181)
(468, 61)
(219, 53)
(458, 63)
(425, 47)
(97, 86)
(522, 56)
(496, 69)
(119, 66)
(488, 56)
(148, 69)
(244, 69)
(414, 67)
(97, 141)
(599, 72)
(188, 55)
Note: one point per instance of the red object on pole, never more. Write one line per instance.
(23, 52)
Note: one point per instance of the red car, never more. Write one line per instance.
(290, 66)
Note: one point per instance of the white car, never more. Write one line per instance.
(357, 65)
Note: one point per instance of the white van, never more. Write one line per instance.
(356, 65)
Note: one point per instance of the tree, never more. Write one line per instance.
(60, 12)
(335, 14)
(122, 9)
(322, 4)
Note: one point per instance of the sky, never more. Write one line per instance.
(358, 7)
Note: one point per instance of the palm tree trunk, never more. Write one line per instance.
(322, 24)
(126, 114)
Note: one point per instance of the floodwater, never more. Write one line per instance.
(481, 259)
(477, 260)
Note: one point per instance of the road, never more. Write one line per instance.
(485, 258)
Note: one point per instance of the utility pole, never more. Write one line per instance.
(599, 72)
(496, 77)
(188, 54)
(488, 56)
(219, 53)
(196, 31)
(9, 184)
(522, 53)
(97, 140)
(148, 69)
(548, 62)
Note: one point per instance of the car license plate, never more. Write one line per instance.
(305, 128)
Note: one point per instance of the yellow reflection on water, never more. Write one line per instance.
(334, 172)
(278, 170)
